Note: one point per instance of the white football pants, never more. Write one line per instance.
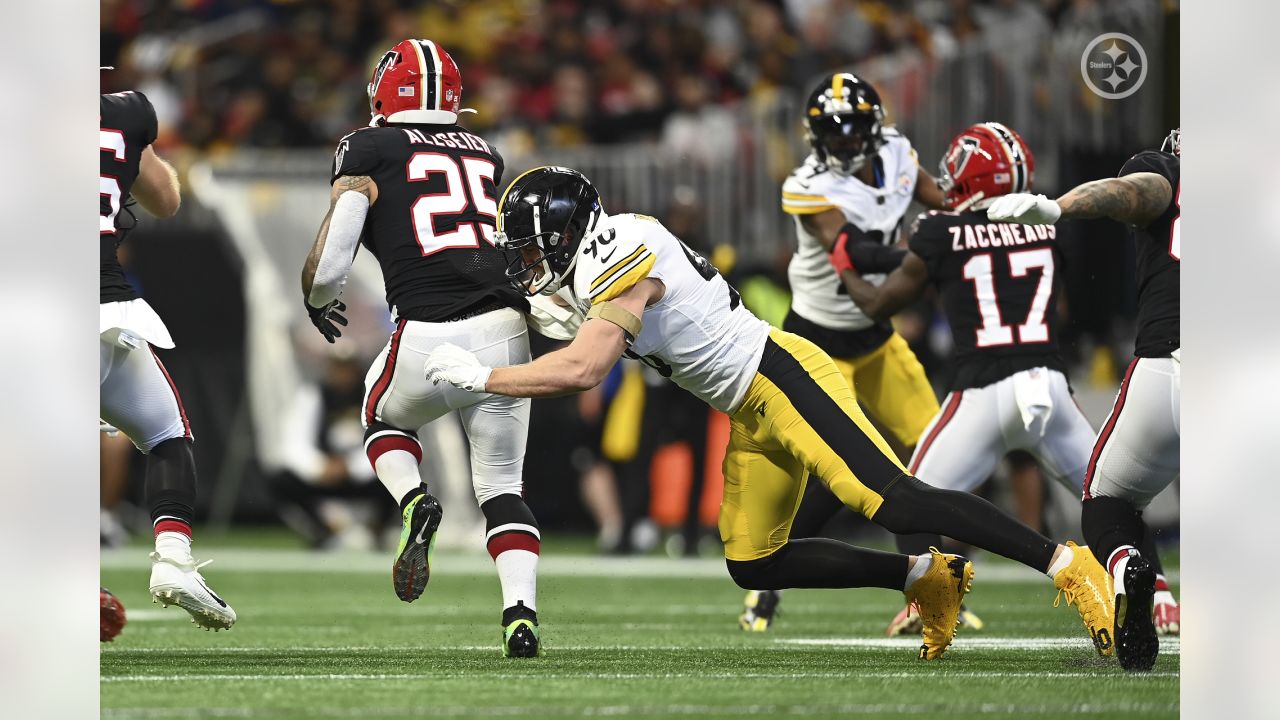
(1032, 410)
(1137, 453)
(135, 392)
(398, 393)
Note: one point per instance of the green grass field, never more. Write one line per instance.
(322, 636)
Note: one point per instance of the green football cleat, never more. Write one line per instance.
(412, 568)
(520, 632)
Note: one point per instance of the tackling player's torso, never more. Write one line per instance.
(1159, 247)
(432, 226)
(997, 286)
(699, 334)
(819, 295)
(127, 125)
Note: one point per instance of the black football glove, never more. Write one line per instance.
(863, 255)
(324, 318)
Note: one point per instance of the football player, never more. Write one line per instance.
(420, 193)
(997, 286)
(855, 185)
(136, 393)
(644, 293)
(1137, 451)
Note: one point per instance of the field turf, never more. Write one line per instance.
(323, 636)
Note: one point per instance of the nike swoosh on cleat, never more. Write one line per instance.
(420, 539)
(212, 594)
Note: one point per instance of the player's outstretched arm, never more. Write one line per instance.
(1135, 199)
(156, 188)
(903, 287)
(581, 365)
(329, 262)
(929, 192)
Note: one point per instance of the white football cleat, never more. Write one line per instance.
(177, 582)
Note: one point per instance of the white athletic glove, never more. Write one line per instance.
(460, 368)
(1025, 208)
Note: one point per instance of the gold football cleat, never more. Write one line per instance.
(938, 595)
(1088, 586)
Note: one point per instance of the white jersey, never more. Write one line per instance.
(699, 334)
(818, 294)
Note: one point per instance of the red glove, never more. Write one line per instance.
(112, 615)
(839, 256)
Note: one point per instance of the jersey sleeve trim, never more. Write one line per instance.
(638, 268)
(804, 204)
(616, 267)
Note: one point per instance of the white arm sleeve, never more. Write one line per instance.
(345, 225)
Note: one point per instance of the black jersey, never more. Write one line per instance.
(432, 226)
(998, 286)
(1159, 248)
(127, 125)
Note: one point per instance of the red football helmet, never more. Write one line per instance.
(983, 162)
(415, 82)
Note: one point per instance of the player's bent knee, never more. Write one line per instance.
(759, 574)
(908, 504)
(381, 438)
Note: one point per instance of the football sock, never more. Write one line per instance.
(1148, 549)
(171, 485)
(1062, 563)
(513, 541)
(409, 496)
(173, 545)
(1117, 561)
(910, 506)
(1110, 523)
(820, 563)
(917, 571)
(1162, 583)
(395, 455)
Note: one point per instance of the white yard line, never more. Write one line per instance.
(428, 710)
(489, 676)
(248, 560)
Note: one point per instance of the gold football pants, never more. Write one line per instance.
(799, 417)
(891, 384)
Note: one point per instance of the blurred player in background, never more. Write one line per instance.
(792, 411)
(855, 186)
(998, 285)
(136, 393)
(419, 192)
(1137, 452)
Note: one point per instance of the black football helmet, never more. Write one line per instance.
(542, 217)
(844, 122)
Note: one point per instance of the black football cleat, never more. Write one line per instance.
(1135, 631)
(520, 632)
(412, 568)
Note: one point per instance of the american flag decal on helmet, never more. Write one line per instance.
(406, 91)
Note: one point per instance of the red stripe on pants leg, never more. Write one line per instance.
(947, 413)
(384, 380)
(186, 424)
(1105, 435)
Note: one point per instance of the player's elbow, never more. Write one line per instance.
(168, 204)
(583, 376)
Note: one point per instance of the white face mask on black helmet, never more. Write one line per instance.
(542, 218)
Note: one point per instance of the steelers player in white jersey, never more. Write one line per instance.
(637, 289)
(854, 188)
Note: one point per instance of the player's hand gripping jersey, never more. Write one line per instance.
(699, 334)
(127, 125)
(1159, 261)
(432, 226)
(996, 282)
(819, 296)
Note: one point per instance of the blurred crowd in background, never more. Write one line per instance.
(636, 461)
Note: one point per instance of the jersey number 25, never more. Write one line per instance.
(433, 211)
